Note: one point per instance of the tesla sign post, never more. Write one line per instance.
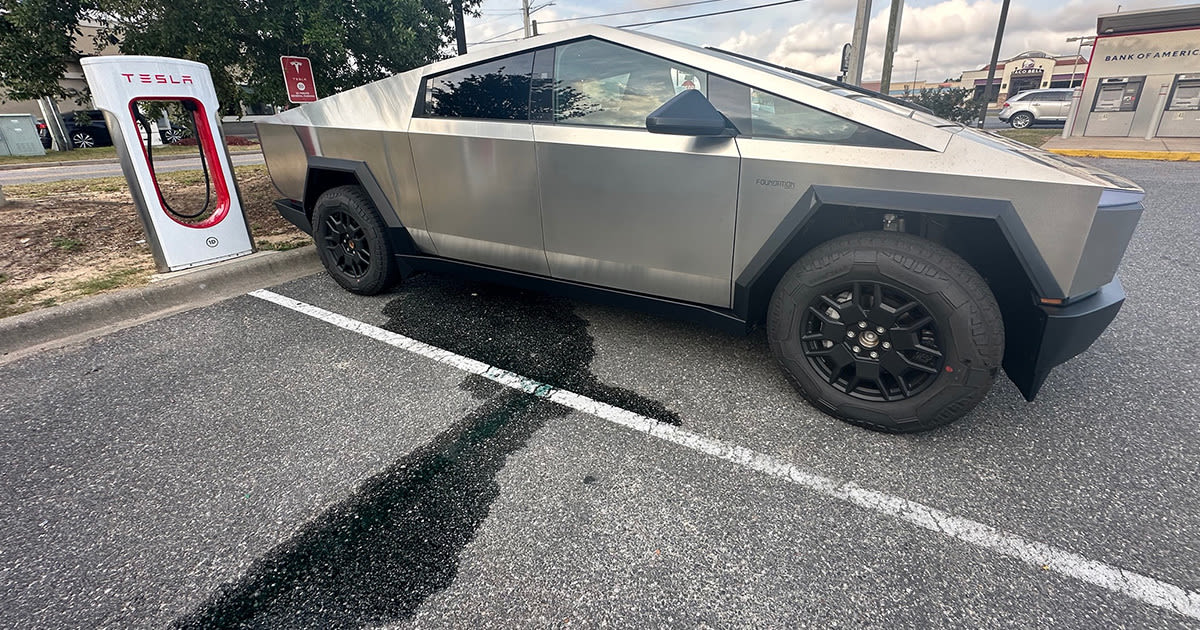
(298, 76)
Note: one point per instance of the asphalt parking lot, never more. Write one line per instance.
(249, 464)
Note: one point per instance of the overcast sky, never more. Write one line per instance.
(947, 36)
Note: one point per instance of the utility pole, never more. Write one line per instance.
(889, 48)
(858, 43)
(987, 87)
(525, 14)
(460, 30)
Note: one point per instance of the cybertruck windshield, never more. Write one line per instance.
(860, 94)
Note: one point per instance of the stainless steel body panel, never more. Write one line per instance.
(1056, 213)
(479, 188)
(614, 203)
(638, 211)
(287, 162)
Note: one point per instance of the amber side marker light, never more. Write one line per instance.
(1052, 301)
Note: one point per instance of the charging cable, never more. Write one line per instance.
(190, 107)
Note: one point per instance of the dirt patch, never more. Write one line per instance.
(64, 240)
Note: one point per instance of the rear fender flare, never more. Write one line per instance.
(324, 173)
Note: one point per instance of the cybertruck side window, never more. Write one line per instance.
(773, 116)
(495, 90)
(598, 83)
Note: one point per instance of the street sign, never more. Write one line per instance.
(298, 77)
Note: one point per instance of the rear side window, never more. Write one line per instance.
(496, 90)
(598, 83)
(773, 116)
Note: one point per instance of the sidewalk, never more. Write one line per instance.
(112, 160)
(1169, 149)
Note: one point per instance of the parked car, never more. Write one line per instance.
(85, 129)
(1037, 107)
(896, 259)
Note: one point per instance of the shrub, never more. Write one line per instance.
(956, 104)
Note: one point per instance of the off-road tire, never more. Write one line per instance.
(351, 202)
(971, 331)
(1021, 120)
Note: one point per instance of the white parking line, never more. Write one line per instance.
(1134, 585)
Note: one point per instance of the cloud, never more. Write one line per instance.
(947, 36)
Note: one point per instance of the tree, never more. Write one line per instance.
(956, 104)
(350, 42)
(37, 42)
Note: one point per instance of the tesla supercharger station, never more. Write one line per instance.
(130, 91)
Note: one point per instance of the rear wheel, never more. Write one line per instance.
(83, 140)
(352, 241)
(887, 331)
(1021, 120)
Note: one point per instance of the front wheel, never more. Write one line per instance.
(83, 140)
(887, 330)
(352, 241)
(1021, 120)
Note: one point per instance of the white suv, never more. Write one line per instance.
(1037, 106)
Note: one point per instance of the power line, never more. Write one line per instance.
(494, 37)
(703, 15)
(670, 6)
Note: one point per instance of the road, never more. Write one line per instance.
(109, 169)
(253, 465)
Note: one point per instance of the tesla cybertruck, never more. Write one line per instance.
(896, 259)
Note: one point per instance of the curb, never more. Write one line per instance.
(26, 333)
(165, 158)
(1167, 156)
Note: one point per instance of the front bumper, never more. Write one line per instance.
(1052, 335)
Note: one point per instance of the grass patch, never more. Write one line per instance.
(24, 299)
(17, 301)
(66, 244)
(105, 153)
(282, 246)
(1032, 137)
(111, 280)
(43, 190)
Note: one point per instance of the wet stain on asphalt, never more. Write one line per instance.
(532, 334)
(376, 556)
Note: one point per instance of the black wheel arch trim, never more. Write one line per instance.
(324, 173)
(752, 288)
(1028, 355)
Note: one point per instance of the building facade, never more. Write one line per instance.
(1144, 77)
(1030, 70)
(72, 79)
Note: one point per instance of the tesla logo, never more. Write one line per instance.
(296, 65)
(166, 79)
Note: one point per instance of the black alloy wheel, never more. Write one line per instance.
(352, 241)
(346, 243)
(872, 341)
(886, 330)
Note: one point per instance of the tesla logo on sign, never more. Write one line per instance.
(130, 77)
(298, 77)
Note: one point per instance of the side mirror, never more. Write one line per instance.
(689, 114)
